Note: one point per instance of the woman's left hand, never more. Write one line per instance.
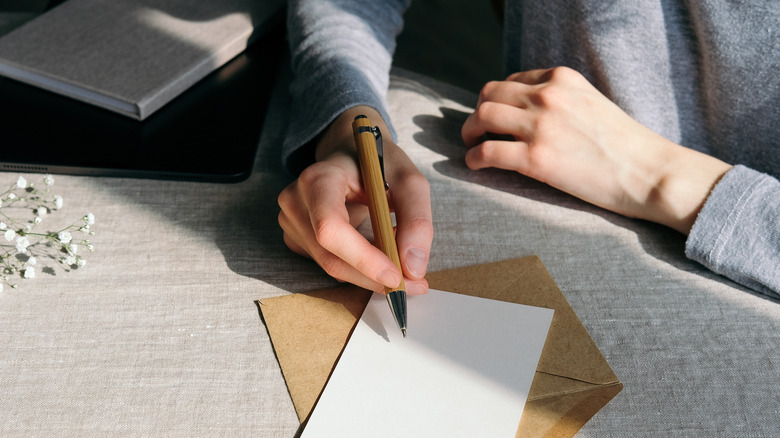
(559, 129)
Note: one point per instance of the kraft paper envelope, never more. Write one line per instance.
(572, 381)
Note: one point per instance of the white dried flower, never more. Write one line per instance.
(11, 196)
(80, 262)
(89, 219)
(48, 180)
(37, 220)
(29, 272)
(21, 183)
(10, 234)
(22, 243)
(41, 211)
(69, 260)
(32, 261)
(64, 237)
(58, 201)
(3, 226)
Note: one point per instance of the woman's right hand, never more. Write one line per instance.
(321, 209)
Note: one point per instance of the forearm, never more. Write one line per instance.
(341, 53)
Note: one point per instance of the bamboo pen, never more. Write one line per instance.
(369, 149)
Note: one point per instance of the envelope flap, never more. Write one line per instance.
(569, 351)
(309, 331)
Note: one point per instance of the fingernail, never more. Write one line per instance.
(416, 262)
(388, 278)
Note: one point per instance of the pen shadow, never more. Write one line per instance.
(374, 322)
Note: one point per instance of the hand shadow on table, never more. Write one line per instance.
(441, 134)
(250, 237)
(241, 219)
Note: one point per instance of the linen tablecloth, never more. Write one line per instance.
(159, 334)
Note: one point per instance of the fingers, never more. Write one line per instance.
(316, 223)
(499, 154)
(503, 108)
(320, 210)
(532, 77)
(411, 200)
(341, 248)
(495, 118)
(507, 92)
(506, 118)
(519, 88)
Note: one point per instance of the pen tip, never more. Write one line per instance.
(403, 331)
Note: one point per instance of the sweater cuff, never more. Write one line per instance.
(737, 232)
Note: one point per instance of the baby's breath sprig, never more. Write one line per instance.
(22, 244)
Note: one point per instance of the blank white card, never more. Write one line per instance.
(464, 369)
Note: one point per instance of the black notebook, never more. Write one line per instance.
(209, 132)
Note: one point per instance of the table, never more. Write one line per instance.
(160, 335)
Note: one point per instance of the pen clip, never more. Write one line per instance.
(380, 152)
(378, 142)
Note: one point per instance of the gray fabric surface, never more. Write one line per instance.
(159, 335)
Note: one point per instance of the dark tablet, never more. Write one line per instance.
(208, 133)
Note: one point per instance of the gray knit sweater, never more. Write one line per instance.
(702, 73)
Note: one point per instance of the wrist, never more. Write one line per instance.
(683, 185)
(339, 138)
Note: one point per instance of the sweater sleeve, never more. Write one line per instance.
(341, 54)
(737, 232)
